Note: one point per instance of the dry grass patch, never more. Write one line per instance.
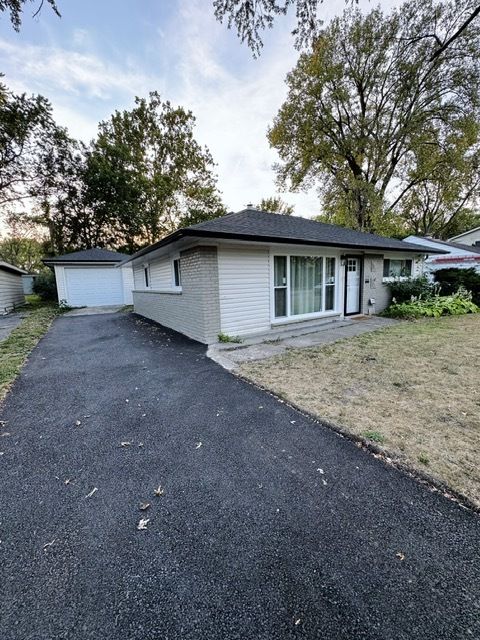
(15, 349)
(413, 388)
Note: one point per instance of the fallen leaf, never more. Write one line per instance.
(142, 525)
(125, 443)
(198, 445)
(49, 544)
(144, 506)
(159, 491)
(89, 495)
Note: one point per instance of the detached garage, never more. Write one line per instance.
(92, 278)
(11, 287)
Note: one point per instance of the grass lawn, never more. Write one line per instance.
(15, 349)
(413, 388)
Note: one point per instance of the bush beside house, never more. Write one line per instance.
(418, 297)
(450, 280)
(45, 286)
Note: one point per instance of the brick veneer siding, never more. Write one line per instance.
(196, 310)
(374, 288)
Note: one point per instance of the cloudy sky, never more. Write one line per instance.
(102, 53)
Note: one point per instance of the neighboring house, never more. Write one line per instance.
(458, 256)
(253, 272)
(471, 238)
(11, 287)
(28, 281)
(91, 278)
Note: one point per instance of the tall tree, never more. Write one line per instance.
(366, 109)
(275, 204)
(251, 17)
(16, 7)
(27, 132)
(24, 253)
(147, 175)
(447, 184)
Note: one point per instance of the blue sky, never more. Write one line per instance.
(103, 53)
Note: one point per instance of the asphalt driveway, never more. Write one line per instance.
(270, 525)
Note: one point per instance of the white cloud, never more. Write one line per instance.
(192, 61)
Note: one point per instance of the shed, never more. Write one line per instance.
(92, 278)
(11, 287)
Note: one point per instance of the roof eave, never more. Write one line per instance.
(226, 235)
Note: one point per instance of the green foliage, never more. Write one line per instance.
(465, 220)
(375, 436)
(15, 8)
(276, 205)
(370, 115)
(451, 279)
(224, 337)
(405, 290)
(15, 349)
(24, 253)
(45, 286)
(146, 175)
(457, 304)
(27, 136)
(251, 18)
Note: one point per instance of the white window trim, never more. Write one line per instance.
(176, 256)
(146, 267)
(305, 316)
(414, 273)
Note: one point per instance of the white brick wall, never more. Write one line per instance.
(374, 288)
(195, 310)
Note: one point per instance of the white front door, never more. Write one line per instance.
(352, 285)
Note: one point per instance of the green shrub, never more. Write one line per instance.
(224, 337)
(457, 304)
(451, 279)
(45, 286)
(405, 290)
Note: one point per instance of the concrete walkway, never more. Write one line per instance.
(10, 322)
(93, 311)
(231, 356)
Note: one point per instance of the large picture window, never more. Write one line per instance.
(303, 285)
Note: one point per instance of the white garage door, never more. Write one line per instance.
(93, 287)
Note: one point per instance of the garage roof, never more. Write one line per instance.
(88, 255)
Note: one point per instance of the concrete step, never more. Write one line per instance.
(291, 330)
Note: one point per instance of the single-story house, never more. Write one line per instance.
(251, 273)
(471, 238)
(11, 287)
(456, 256)
(91, 278)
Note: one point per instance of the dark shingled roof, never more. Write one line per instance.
(262, 226)
(89, 255)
